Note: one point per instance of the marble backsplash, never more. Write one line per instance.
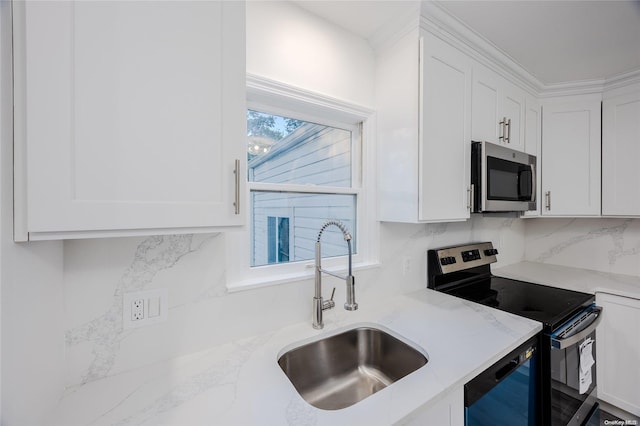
(201, 311)
(605, 245)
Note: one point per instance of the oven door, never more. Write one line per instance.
(508, 179)
(573, 369)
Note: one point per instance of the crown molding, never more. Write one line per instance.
(436, 19)
(433, 17)
(622, 80)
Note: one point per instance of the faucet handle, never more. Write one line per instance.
(328, 304)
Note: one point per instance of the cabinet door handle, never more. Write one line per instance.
(502, 129)
(470, 199)
(547, 196)
(236, 172)
(508, 126)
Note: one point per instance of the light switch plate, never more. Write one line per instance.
(154, 308)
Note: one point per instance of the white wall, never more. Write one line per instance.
(32, 345)
(286, 43)
(606, 245)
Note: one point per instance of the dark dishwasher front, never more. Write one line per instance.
(505, 393)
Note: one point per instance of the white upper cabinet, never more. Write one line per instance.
(130, 117)
(621, 153)
(532, 145)
(498, 111)
(571, 156)
(424, 121)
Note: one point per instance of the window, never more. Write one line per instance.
(278, 239)
(305, 165)
(301, 170)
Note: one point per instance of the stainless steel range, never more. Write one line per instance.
(566, 366)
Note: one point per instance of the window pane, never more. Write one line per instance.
(286, 225)
(284, 150)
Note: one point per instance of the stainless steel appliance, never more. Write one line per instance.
(567, 364)
(502, 179)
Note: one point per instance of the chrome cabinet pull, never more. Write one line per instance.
(236, 172)
(508, 126)
(470, 197)
(547, 196)
(502, 129)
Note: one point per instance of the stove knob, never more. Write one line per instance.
(447, 260)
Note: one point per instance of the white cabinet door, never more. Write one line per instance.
(486, 112)
(445, 137)
(423, 92)
(532, 143)
(513, 107)
(446, 411)
(621, 155)
(132, 115)
(618, 352)
(571, 158)
(498, 109)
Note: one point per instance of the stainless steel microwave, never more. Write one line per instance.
(502, 179)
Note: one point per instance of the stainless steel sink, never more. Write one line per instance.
(340, 370)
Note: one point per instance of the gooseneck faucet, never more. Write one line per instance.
(318, 304)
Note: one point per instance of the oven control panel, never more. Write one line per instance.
(459, 258)
(470, 255)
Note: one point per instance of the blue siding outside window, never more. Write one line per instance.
(284, 151)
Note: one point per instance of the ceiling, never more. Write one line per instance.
(556, 41)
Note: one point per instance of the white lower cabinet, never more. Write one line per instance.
(618, 352)
(448, 410)
(125, 121)
(424, 130)
(621, 153)
(571, 159)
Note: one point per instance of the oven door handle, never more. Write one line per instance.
(594, 316)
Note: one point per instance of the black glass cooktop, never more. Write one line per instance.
(549, 305)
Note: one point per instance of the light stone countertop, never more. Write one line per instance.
(569, 278)
(240, 383)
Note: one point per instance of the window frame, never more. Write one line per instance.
(276, 98)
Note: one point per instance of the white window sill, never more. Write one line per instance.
(252, 284)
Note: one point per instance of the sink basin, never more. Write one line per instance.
(340, 370)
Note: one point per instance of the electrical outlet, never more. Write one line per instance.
(137, 310)
(144, 308)
(406, 266)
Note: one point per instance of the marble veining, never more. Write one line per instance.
(240, 383)
(616, 233)
(221, 373)
(203, 313)
(105, 332)
(489, 317)
(300, 413)
(607, 245)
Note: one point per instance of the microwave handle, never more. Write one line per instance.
(533, 183)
